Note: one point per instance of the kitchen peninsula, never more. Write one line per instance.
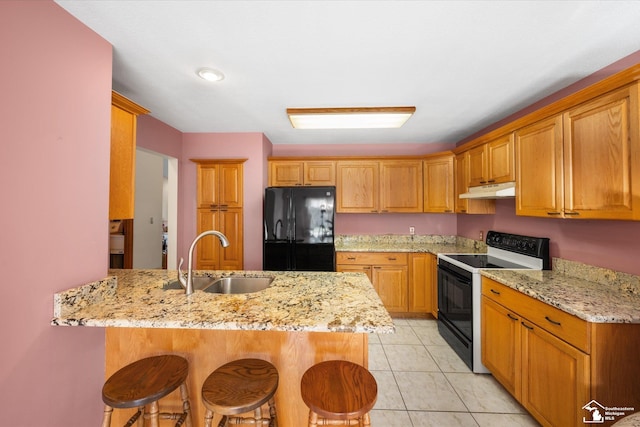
(300, 320)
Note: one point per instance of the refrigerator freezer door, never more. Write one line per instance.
(313, 214)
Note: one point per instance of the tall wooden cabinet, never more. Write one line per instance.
(122, 178)
(583, 163)
(220, 207)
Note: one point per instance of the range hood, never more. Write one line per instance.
(491, 191)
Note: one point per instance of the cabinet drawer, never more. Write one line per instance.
(372, 258)
(563, 325)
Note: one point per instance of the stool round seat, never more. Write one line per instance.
(339, 390)
(144, 382)
(241, 386)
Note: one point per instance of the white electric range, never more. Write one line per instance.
(460, 288)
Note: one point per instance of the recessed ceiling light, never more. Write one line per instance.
(210, 74)
(349, 118)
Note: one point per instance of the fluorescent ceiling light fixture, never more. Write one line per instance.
(210, 74)
(349, 118)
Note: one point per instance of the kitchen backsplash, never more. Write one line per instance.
(404, 239)
(603, 276)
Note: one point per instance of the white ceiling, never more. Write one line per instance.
(462, 64)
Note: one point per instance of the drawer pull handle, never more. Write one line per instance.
(491, 180)
(511, 316)
(527, 326)
(493, 291)
(392, 258)
(552, 321)
(351, 258)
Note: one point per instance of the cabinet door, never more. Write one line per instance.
(230, 191)
(208, 250)
(478, 169)
(421, 283)
(122, 163)
(539, 188)
(438, 184)
(319, 173)
(597, 157)
(555, 378)
(501, 345)
(500, 160)
(402, 186)
(230, 223)
(357, 186)
(285, 173)
(207, 179)
(391, 284)
(474, 206)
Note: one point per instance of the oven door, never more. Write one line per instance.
(455, 300)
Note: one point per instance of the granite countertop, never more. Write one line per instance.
(402, 243)
(593, 294)
(295, 301)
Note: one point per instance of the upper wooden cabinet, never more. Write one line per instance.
(122, 178)
(357, 186)
(401, 186)
(219, 183)
(302, 172)
(367, 186)
(439, 184)
(492, 162)
(583, 163)
(468, 206)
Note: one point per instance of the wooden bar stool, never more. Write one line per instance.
(338, 392)
(241, 386)
(143, 383)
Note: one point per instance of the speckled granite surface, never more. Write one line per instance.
(295, 301)
(405, 243)
(594, 294)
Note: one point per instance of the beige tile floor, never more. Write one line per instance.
(422, 382)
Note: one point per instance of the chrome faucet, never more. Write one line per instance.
(188, 282)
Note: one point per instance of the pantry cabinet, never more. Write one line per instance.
(583, 163)
(552, 362)
(288, 173)
(122, 177)
(220, 207)
(439, 184)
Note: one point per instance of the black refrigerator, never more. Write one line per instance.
(298, 229)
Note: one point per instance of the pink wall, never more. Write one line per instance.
(610, 244)
(55, 106)
(224, 146)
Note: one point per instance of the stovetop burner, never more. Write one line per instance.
(485, 261)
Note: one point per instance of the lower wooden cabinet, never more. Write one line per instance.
(404, 281)
(554, 363)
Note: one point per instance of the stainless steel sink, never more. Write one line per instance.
(199, 283)
(239, 285)
(225, 285)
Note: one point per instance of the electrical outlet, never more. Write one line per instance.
(412, 230)
(481, 236)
